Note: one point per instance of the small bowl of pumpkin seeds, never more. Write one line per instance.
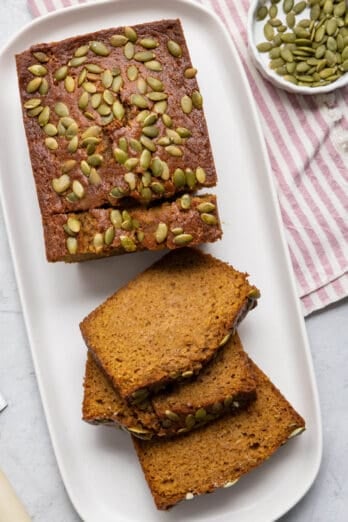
(300, 45)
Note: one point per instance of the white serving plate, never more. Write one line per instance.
(98, 465)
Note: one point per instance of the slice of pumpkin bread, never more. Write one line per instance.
(226, 384)
(218, 454)
(169, 320)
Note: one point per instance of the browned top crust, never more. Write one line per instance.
(218, 454)
(89, 150)
(169, 320)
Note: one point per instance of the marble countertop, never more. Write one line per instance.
(26, 454)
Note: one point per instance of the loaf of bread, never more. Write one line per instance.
(106, 232)
(114, 118)
(169, 320)
(220, 453)
(226, 384)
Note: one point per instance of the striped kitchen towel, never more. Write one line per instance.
(307, 140)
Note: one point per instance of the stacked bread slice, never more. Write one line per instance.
(166, 364)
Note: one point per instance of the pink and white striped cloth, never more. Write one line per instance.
(307, 139)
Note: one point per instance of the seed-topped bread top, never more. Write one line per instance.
(224, 385)
(146, 334)
(112, 116)
(218, 454)
(104, 232)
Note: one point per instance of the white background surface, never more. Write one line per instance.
(25, 451)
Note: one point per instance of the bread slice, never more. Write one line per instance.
(169, 320)
(226, 384)
(218, 454)
(104, 232)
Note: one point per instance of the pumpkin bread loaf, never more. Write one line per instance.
(112, 116)
(218, 454)
(106, 232)
(146, 334)
(224, 385)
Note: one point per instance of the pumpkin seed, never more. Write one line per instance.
(128, 244)
(186, 104)
(172, 416)
(78, 189)
(129, 50)
(72, 245)
(182, 239)
(145, 159)
(35, 111)
(117, 83)
(131, 163)
(94, 177)
(176, 231)
(160, 107)
(44, 87)
(69, 84)
(264, 47)
(118, 110)
(94, 68)
(201, 175)
(50, 129)
(99, 48)
(148, 143)
(173, 150)
(190, 73)
(130, 34)
(144, 56)
(155, 84)
(76, 62)
(328, 7)
(116, 218)
(201, 413)
(288, 5)
(139, 101)
(190, 178)
(123, 144)
(89, 87)
(61, 184)
(141, 86)
(197, 99)
(74, 225)
(118, 40)
(44, 116)
(107, 78)
(268, 31)
(131, 179)
(95, 160)
(32, 103)
(34, 85)
(51, 143)
(132, 73)
(38, 70)
(185, 201)
(261, 13)
(290, 20)
(157, 187)
(61, 109)
(61, 73)
(161, 233)
(299, 7)
(95, 99)
(167, 120)
(150, 120)
(104, 110)
(153, 65)
(148, 43)
(41, 56)
(152, 131)
(174, 48)
(120, 155)
(68, 166)
(208, 219)
(179, 178)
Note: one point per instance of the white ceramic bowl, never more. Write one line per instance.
(261, 60)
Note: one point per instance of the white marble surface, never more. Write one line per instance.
(25, 450)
